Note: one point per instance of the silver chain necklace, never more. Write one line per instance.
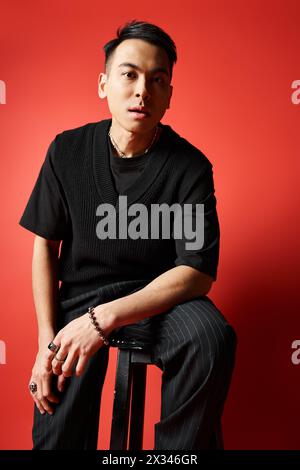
(122, 154)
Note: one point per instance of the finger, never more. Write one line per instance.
(59, 360)
(83, 358)
(39, 406)
(38, 398)
(58, 337)
(47, 391)
(49, 354)
(61, 382)
(43, 400)
(56, 366)
(68, 364)
(34, 395)
(45, 404)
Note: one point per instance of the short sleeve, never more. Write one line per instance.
(206, 257)
(46, 212)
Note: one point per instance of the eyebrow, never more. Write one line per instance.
(134, 66)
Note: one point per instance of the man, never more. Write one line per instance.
(120, 282)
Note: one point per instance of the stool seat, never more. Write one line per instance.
(129, 344)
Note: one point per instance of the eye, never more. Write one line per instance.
(130, 73)
(159, 79)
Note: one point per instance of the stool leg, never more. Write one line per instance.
(120, 418)
(139, 375)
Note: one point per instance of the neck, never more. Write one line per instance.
(130, 142)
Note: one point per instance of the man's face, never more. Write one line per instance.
(146, 82)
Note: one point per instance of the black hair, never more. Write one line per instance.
(147, 32)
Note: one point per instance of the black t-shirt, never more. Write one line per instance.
(126, 170)
(76, 177)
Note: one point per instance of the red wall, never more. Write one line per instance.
(233, 99)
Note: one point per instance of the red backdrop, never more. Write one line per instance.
(233, 99)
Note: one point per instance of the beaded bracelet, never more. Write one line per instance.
(96, 325)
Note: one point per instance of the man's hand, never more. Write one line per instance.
(78, 340)
(42, 375)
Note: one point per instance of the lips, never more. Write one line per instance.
(140, 109)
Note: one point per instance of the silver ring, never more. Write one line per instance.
(33, 387)
(60, 360)
(53, 347)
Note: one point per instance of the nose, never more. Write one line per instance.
(142, 90)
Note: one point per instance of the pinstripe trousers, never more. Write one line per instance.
(194, 346)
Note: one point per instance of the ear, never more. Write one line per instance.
(102, 79)
(170, 96)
